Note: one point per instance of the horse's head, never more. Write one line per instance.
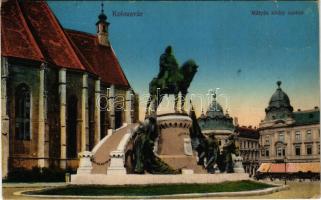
(189, 68)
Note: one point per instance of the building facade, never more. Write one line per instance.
(62, 90)
(248, 143)
(289, 136)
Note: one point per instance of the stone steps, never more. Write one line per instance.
(101, 152)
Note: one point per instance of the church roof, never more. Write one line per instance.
(31, 31)
(16, 38)
(50, 35)
(102, 58)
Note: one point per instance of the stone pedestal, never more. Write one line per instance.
(117, 163)
(85, 165)
(238, 166)
(174, 143)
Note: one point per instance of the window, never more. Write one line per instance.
(267, 140)
(281, 136)
(22, 112)
(318, 149)
(297, 150)
(309, 149)
(309, 135)
(297, 136)
(279, 151)
(267, 153)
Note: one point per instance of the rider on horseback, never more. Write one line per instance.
(169, 71)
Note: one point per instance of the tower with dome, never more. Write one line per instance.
(289, 140)
(216, 122)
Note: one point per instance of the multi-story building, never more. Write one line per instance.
(51, 81)
(289, 136)
(248, 143)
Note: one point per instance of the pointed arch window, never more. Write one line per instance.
(22, 112)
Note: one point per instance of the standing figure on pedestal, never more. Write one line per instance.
(144, 158)
(213, 152)
(228, 149)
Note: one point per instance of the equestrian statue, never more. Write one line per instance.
(171, 79)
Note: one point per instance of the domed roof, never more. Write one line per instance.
(279, 97)
(215, 109)
(279, 105)
(215, 118)
(102, 17)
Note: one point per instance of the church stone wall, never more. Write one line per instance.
(27, 153)
(23, 152)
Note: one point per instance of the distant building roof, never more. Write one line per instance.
(246, 132)
(307, 117)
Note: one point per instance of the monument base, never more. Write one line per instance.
(174, 143)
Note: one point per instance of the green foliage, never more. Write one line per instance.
(37, 174)
(159, 189)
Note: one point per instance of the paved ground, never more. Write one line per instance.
(297, 190)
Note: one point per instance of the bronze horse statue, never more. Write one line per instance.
(171, 80)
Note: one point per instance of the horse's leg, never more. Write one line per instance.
(148, 104)
(183, 96)
(154, 104)
(158, 100)
(176, 102)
